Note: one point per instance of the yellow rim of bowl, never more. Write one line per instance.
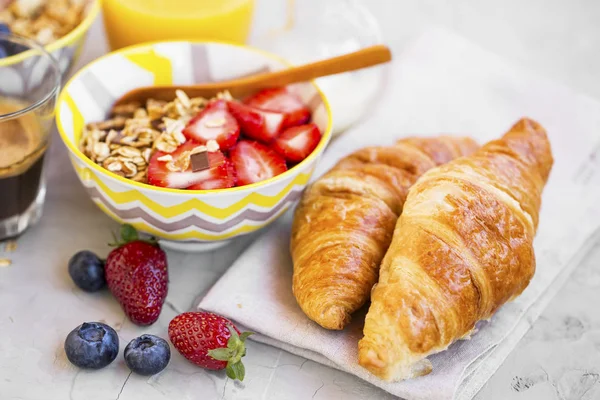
(64, 41)
(75, 149)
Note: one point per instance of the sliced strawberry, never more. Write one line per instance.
(255, 162)
(283, 101)
(226, 180)
(255, 123)
(216, 123)
(297, 142)
(160, 175)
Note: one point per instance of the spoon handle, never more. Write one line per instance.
(241, 87)
(367, 57)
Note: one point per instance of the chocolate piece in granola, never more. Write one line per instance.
(200, 161)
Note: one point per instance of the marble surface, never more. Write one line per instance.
(558, 359)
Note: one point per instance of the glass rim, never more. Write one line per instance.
(53, 64)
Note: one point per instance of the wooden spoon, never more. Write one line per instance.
(244, 86)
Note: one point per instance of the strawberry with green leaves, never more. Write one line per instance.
(210, 341)
(136, 274)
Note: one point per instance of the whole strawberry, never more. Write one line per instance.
(136, 274)
(210, 341)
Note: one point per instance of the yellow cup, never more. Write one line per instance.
(130, 22)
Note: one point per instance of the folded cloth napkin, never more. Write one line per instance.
(440, 84)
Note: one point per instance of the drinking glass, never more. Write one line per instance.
(29, 85)
(129, 22)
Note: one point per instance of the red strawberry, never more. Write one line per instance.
(283, 101)
(210, 341)
(297, 142)
(159, 173)
(136, 274)
(256, 162)
(255, 123)
(226, 181)
(216, 123)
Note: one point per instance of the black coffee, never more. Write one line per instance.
(21, 158)
(19, 191)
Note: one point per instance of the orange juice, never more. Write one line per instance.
(129, 22)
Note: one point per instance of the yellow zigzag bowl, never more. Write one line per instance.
(182, 219)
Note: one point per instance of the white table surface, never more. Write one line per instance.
(558, 359)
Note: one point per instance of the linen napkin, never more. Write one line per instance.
(440, 84)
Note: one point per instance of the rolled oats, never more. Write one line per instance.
(114, 166)
(183, 98)
(180, 163)
(129, 169)
(173, 125)
(224, 95)
(198, 149)
(166, 143)
(140, 176)
(44, 20)
(110, 136)
(155, 108)
(115, 123)
(140, 113)
(212, 145)
(101, 151)
(165, 158)
(128, 152)
(125, 110)
(139, 161)
(178, 135)
(147, 153)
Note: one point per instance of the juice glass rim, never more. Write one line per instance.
(52, 64)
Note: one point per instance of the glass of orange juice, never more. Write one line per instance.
(129, 22)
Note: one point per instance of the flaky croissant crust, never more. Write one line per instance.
(462, 247)
(345, 220)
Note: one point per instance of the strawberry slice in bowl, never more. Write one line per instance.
(297, 142)
(174, 170)
(227, 178)
(256, 123)
(255, 162)
(283, 101)
(214, 123)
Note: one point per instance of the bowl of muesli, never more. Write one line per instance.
(193, 172)
(61, 26)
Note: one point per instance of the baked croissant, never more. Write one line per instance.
(462, 247)
(345, 221)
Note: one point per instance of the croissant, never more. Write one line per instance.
(345, 221)
(462, 247)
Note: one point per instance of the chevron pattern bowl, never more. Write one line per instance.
(181, 219)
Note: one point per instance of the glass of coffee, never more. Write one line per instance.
(29, 85)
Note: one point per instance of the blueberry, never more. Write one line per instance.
(92, 345)
(4, 44)
(147, 355)
(15, 48)
(87, 271)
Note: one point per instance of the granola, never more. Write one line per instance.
(43, 20)
(125, 143)
(204, 144)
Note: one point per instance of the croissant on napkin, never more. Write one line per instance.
(462, 247)
(345, 221)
